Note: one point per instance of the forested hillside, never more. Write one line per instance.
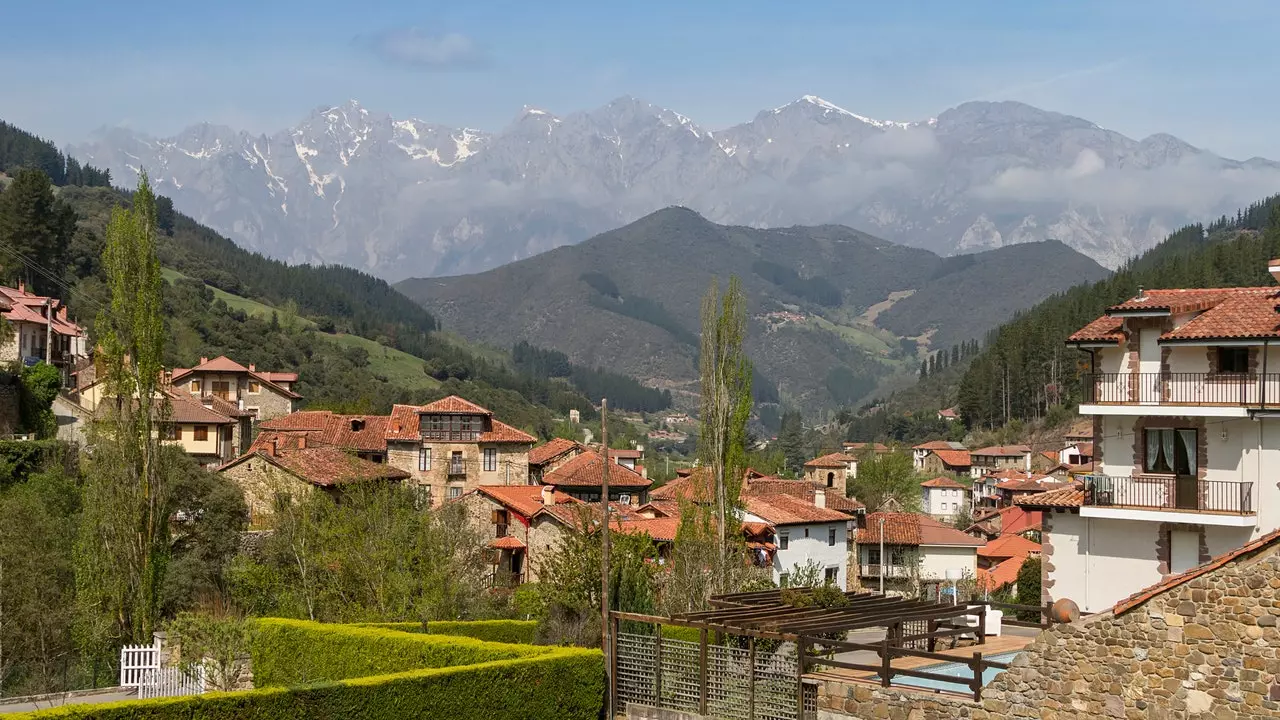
(1026, 368)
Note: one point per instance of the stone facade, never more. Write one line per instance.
(827, 477)
(511, 468)
(268, 403)
(1206, 648)
(541, 535)
(261, 482)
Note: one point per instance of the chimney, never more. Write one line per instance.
(302, 442)
(22, 286)
(1142, 293)
(1273, 267)
(820, 497)
(203, 360)
(275, 451)
(548, 495)
(252, 368)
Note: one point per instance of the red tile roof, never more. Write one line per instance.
(222, 363)
(790, 510)
(860, 446)
(524, 499)
(183, 408)
(625, 454)
(1169, 583)
(1033, 483)
(454, 405)
(507, 542)
(913, 529)
(949, 413)
(831, 460)
(954, 458)
(1002, 574)
(552, 449)
(942, 482)
(301, 420)
(402, 425)
(1068, 497)
(323, 466)
(661, 508)
(1224, 313)
(1003, 451)
(660, 529)
(1007, 546)
(357, 432)
(804, 490)
(587, 470)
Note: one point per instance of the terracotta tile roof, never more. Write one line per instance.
(226, 407)
(1009, 520)
(938, 445)
(942, 482)
(1033, 483)
(1051, 455)
(586, 470)
(949, 413)
(660, 529)
(357, 432)
(913, 529)
(507, 542)
(790, 510)
(286, 439)
(860, 446)
(1086, 448)
(402, 425)
(524, 499)
(222, 363)
(1169, 583)
(279, 377)
(552, 449)
(688, 487)
(1071, 496)
(454, 405)
(831, 460)
(183, 408)
(1002, 451)
(301, 420)
(806, 491)
(751, 529)
(1007, 546)
(626, 454)
(1002, 574)
(954, 458)
(1224, 313)
(324, 466)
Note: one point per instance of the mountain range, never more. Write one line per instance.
(405, 197)
(834, 312)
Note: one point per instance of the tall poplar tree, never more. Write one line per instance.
(726, 403)
(123, 545)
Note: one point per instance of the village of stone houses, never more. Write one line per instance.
(1125, 563)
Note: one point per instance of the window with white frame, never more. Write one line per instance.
(455, 491)
(784, 540)
(424, 459)
(490, 459)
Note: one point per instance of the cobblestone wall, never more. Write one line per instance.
(1204, 649)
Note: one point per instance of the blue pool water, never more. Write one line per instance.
(957, 670)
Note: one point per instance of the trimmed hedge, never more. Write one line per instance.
(541, 683)
(502, 631)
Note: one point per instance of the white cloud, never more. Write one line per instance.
(418, 48)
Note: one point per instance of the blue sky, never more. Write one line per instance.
(1201, 71)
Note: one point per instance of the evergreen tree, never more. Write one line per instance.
(34, 228)
(792, 442)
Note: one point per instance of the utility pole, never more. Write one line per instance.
(604, 558)
(882, 559)
(48, 330)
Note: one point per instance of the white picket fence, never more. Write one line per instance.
(171, 682)
(136, 660)
(140, 668)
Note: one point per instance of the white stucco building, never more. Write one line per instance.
(943, 498)
(913, 548)
(1184, 392)
(804, 533)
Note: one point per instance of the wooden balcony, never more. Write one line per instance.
(1196, 389)
(892, 572)
(1162, 492)
(505, 579)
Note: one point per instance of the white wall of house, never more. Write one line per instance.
(802, 548)
(944, 502)
(936, 560)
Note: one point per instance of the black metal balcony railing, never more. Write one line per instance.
(1153, 492)
(457, 468)
(1225, 389)
(500, 530)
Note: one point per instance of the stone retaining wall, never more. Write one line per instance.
(1207, 648)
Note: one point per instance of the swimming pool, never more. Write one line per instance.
(957, 670)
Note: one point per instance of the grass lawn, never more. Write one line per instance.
(396, 366)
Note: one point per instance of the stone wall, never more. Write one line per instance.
(512, 466)
(1204, 649)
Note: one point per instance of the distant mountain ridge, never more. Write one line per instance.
(628, 300)
(405, 197)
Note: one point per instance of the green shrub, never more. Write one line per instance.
(292, 652)
(519, 632)
(366, 673)
(675, 632)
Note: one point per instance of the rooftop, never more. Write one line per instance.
(1002, 451)
(587, 470)
(913, 529)
(831, 460)
(1007, 546)
(403, 424)
(524, 499)
(942, 482)
(790, 510)
(1221, 314)
(224, 364)
(552, 449)
(322, 466)
(1071, 496)
(1169, 583)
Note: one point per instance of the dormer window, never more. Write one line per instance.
(357, 425)
(1233, 359)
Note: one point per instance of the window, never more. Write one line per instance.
(465, 428)
(424, 459)
(455, 491)
(253, 386)
(831, 479)
(490, 459)
(195, 386)
(1233, 359)
(831, 576)
(1170, 451)
(624, 499)
(456, 466)
(169, 431)
(831, 537)
(873, 555)
(784, 539)
(201, 433)
(806, 532)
